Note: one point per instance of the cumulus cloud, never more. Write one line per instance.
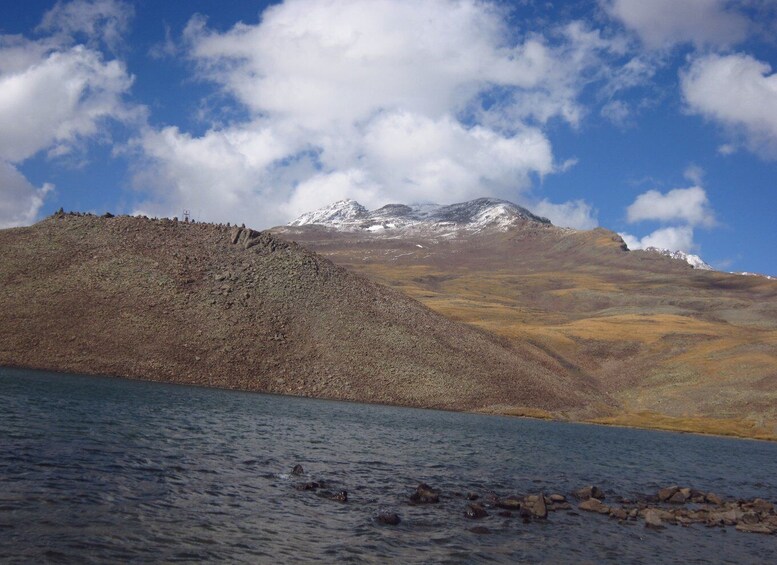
(54, 96)
(739, 92)
(663, 23)
(58, 99)
(673, 238)
(683, 205)
(375, 100)
(683, 209)
(576, 214)
(20, 201)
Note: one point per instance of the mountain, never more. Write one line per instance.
(230, 307)
(430, 219)
(433, 220)
(674, 346)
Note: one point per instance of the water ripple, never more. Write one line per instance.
(107, 470)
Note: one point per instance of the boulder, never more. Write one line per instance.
(475, 511)
(539, 509)
(755, 528)
(653, 519)
(297, 470)
(761, 505)
(618, 514)
(590, 491)
(713, 498)
(424, 494)
(680, 497)
(594, 505)
(557, 498)
(509, 503)
(667, 492)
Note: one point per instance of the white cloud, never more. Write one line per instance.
(663, 23)
(673, 238)
(684, 205)
(376, 100)
(739, 92)
(694, 173)
(576, 214)
(58, 99)
(617, 111)
(54, 96)
(19, 200)
(97, 20)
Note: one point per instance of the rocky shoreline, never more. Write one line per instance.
(669, 506)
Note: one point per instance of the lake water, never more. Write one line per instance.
(110, 470)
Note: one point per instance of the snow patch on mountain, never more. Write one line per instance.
(338, 214)
(693, 260)
(472, 216)
(748, 274)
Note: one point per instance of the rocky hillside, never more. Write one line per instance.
(230, 307)
(675, 346)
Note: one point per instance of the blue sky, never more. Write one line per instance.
(657, 119)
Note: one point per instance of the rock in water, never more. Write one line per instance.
(475, 511)
(594, 505)
(388, 518)
(297, 470)
(424, 494)
(653, 520)
(509, 503)
(589, 492)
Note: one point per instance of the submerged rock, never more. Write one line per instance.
(388, 518)
(297, 470)
(424, 494)
(312, 485)
(475, 511)
(509, 503)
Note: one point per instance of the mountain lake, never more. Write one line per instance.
(106, 470)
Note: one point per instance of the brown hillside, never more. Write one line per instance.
(205, 304)
(675, 347)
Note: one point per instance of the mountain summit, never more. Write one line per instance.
(472, 216)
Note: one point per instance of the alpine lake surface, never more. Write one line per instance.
(109, 470)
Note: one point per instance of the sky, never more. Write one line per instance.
(657, 120)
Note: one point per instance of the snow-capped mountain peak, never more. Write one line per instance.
(336, 214)
(472, 216)
(693, 260)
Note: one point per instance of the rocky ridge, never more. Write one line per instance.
(235, 308)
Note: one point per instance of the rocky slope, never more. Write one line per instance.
(230, 307)
(675, 346)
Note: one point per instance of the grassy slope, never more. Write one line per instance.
(676, 348)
